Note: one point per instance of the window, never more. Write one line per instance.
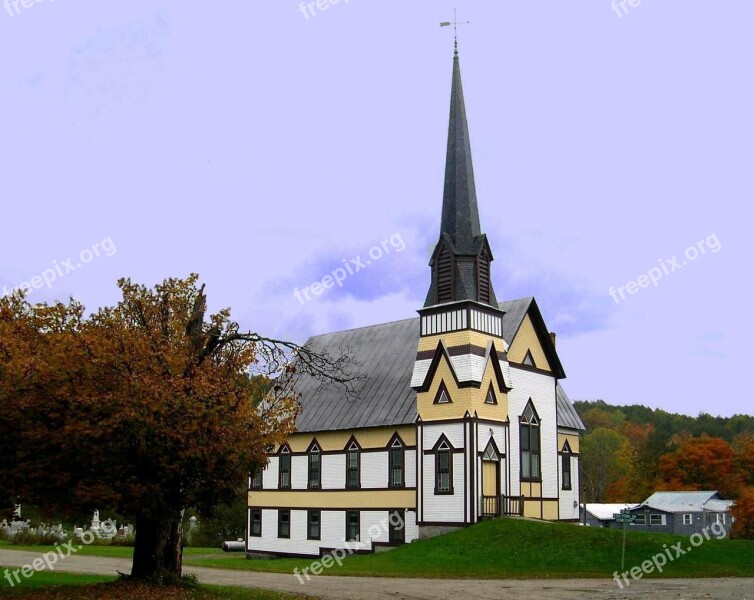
(396, 461)
(688, 519)
(566, 467)
(490, 453)
(444, 468)
(641, 519)
(529, 359)
(353, 525)
(256, 479)
(284, 523)
(256, 522)
(315, 471)
(720, 518)
(313, 525)
(657, 520)
(442, 397)
(353, 459)
(530, 445)
(284, 468)
(397, 520)
(491, 398)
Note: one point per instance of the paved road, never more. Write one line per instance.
(379, 588)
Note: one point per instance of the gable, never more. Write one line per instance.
(527, 341)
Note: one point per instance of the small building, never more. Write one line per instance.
(602, 515)
(683, 513)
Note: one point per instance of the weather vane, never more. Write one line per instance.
(455, 23)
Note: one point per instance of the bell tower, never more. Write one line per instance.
(461, 369)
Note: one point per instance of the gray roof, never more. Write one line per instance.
(567, 415)
(687, 501)
(386, 354)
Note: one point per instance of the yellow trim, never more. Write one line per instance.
(526, 339)
(460, 338)
(371, 437)
(573, 441)
(465, 399)
(333, 499)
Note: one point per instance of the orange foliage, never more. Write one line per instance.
(743, 513)
(701, 463)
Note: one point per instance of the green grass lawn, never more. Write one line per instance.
(517, 548)
(45, 585)
(503, 548)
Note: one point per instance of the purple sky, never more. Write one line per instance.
(260, 148)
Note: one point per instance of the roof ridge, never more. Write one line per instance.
(320, 335)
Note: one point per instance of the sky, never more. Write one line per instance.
(270, 146)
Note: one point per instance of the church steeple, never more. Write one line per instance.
(460, 214)
(461, 261)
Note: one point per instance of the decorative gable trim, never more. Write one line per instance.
(443, 395)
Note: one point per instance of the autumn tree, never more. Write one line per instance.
(606, 463)
(703, 463)
(743, 516)
(147, 407)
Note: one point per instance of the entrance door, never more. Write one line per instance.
(490, 477)
(490, 482)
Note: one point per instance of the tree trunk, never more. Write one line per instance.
(174, 546)
(157, 548)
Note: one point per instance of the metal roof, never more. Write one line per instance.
(386, 354)
(567, 415)
(605, 512)
(686, 501)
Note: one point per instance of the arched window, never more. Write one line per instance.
(530, 445)
(315, 467)
(443, 466)
(566, 467)
(396, 460)
(284, 468)
(353, 466)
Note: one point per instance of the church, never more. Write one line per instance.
(462, 416)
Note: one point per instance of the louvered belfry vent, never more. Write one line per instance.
(444, 276)
(483, 278)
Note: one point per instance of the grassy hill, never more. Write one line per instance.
(518, 548)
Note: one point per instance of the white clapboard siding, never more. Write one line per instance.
(541, 389)
(410, 467)
(569, 497)
(444, 508)
(374, 468)
(270, 474)
(333, 471)
(299, 472)
(452, 431)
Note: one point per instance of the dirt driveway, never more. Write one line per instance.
(378, 588)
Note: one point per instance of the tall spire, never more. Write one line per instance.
(461, 261)
(460, 214)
